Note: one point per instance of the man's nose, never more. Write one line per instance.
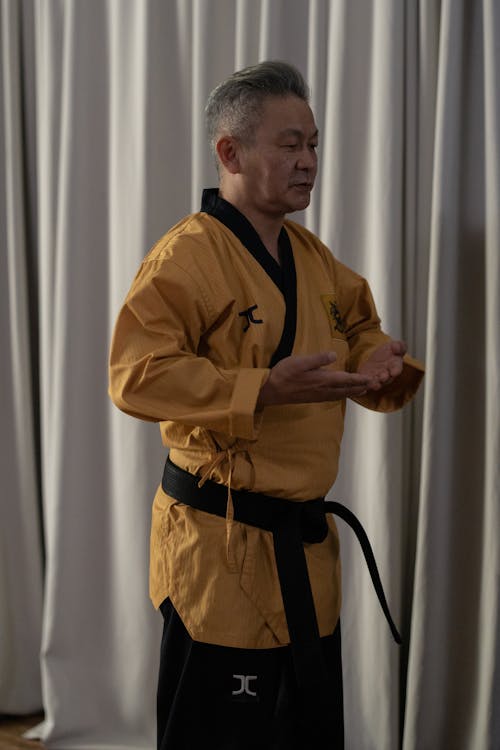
(307, 159)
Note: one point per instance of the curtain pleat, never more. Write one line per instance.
(488, 698)
(406, 97)
(21, 555)
(454, 637)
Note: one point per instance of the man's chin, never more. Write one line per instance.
(299, 204)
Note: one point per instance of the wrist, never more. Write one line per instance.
(265, 397)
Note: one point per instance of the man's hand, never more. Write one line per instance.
(384, 364)
(307, 379)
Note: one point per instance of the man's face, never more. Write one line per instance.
(279, 168)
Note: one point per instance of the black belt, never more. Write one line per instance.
(292, 524)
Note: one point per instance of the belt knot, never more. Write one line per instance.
(312, 520)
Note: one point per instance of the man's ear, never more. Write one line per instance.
(228, 151)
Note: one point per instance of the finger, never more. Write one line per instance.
(348, 392)
(342, 379)
(396, 368)
(398, 347)
(315, 361)
(383, 376)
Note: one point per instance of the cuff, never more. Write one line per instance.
(399, 392)
(244, 421)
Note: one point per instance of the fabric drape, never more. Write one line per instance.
(21, 553)
(456, 591)
(102, 150)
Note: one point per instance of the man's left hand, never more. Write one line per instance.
(384, 364)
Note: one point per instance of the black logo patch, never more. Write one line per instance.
(250, 318)
(337, 322)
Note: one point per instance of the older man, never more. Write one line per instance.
(243, 336)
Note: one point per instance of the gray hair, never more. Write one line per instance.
(235, 105)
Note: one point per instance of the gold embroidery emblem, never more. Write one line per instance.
(337, 322)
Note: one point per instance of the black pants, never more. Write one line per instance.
(220, 698)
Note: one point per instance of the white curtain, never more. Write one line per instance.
(102, 150)
(21, 550)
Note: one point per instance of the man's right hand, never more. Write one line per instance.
(305, 379)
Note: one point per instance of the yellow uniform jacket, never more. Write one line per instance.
(208, 313)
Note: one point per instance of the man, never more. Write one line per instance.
(243, 337)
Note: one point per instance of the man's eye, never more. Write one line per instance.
(289, 145)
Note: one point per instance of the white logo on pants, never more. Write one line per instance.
(244, 686)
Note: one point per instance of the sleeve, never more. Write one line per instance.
(364, 336)
(155, 370)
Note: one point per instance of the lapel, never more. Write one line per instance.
(283, 275)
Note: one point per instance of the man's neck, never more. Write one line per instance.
(268, 227)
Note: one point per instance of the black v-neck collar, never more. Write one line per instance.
(284, 276)
(213, 204)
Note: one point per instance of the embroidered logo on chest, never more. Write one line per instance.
(250, 317)
(337, 322)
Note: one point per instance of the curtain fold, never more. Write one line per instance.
(454, 639)
(109, 155)
(489, 615)
(21, 554)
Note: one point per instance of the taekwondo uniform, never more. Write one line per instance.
(208, 314)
